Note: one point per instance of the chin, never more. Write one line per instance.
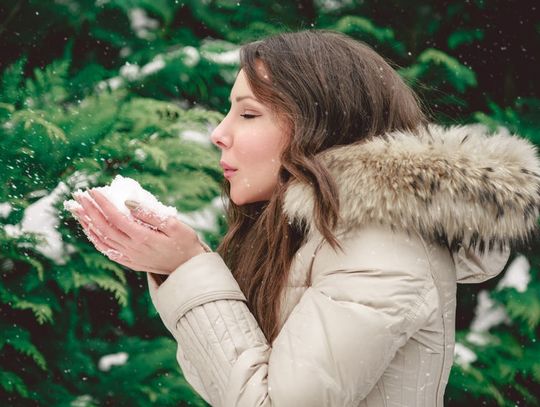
(247, 199)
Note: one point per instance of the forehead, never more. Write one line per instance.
(241, 85)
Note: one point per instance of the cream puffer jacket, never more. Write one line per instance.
(372, 325)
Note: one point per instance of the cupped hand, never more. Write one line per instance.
(146, 242)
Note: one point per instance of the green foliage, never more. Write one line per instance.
(462, 37)
(444, 74)
(364, 29)
(52, 139)
(521, 118)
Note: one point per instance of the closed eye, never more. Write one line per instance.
(249, 116)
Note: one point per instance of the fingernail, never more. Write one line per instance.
(131, 204)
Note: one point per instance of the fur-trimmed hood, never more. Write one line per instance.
(460, 184)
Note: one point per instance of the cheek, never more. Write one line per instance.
(262, 152)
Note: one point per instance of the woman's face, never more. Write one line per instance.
(251, 141)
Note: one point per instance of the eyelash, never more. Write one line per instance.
(248, 116)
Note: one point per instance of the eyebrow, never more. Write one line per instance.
(240, 98)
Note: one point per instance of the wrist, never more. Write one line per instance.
(199, 249)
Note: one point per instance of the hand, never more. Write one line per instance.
(143, 243)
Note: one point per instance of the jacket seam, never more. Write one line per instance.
(205, 298)
(444, 324)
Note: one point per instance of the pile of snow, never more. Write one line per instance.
(231, 57)
(41, 218)
(142, 24)
(133, 72)
(115, 359)
(517, 275)
(5, 209)
(124, 188)
(196, 136)
(463, 356)
(489, 313)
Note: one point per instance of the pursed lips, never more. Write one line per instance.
(228, 173)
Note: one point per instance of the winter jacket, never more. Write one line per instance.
(372, 325)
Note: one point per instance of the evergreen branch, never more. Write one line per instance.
(49, 85)
(97, 260)
(10, 84)
(30, 118)
(19, 339)
(42, 311)
(7, 106)
(109, 284)
(157, 154)
(13, 383)
(38, 266)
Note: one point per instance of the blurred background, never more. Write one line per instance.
(94, 88)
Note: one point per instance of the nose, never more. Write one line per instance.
(221, 135)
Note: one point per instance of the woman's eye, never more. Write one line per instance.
(249, 116)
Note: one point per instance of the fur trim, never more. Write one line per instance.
(459, 184)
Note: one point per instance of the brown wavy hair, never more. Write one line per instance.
(329, 90)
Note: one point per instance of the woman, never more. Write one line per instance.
(350, 222)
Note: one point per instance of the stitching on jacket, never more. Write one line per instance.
(231, 337)
(202, 351)
(203, 299)
(310, 267)
(242, 322)
(189, 368)
(257, 333)
(218, 340)
(382, 390)
(221, 375)
(208, 351)
(444, 324)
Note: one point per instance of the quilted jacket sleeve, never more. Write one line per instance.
(333, 348)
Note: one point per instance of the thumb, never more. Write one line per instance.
(144, 215)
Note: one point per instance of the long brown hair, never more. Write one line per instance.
(330, 90)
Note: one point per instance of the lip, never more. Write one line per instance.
(228, 173)
(226, 166)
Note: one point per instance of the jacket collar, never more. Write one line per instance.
(459, 184)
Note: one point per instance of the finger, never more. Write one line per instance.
(122, 222)
(117, 256)
(169, 225)
(97, 235)
(96, 240)
(152, 219)
(113, 253)
(111, 231)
